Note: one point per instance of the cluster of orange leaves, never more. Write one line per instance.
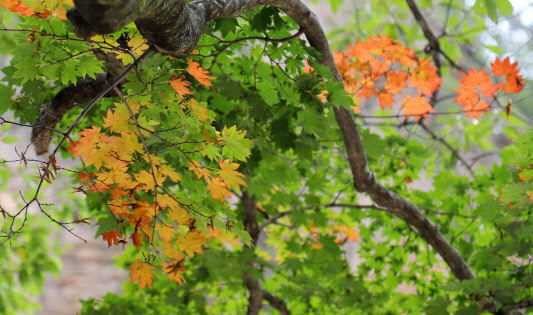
(382, 67)
(478, 83)
(41, 9)
(342, 233)
(122, 168)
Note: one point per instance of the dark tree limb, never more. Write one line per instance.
(276, 303)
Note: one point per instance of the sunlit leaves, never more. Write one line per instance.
(368, 62)
(117, 153)
(137, 45)
(477, 84)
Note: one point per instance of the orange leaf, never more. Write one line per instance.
(173, 270)
(180, 85)
(228, 174)
(111, 237)
(18, 8)
(165, 231)
(504, 68)
(199, 73)
(137, 239)
(425, 77)
(474, 110)
(479, 79)
(196, 167)
(190, 243)
(218, 190)
(142, 271)
(416, 107)
(385, 99)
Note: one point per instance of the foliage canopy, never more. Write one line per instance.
(252, 169)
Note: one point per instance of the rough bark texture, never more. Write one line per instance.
(175, 27)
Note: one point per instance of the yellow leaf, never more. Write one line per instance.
(190, 243)
(165, 232)
(179, 215)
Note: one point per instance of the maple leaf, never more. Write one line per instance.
(504, 68)
(117, 121)
(165, 231)
(198, 111)
(190, 243)
(173, 270)
(425, 77)
(474, 110)
(479, 79)
(396, 81)
(170, 172)
(179, 215)
(87, 143)
(228, 174)
(196, 167)
(147, 179)
(171, 252)
(199, 73)
(137, 239)
(111, 237)
(385, 99)
(218, 190)
(235, 144)
(416, 107)
(514, 84)
(137, 44)
(142, 271)
(18, 8)
(180, 85)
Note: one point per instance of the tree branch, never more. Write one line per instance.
(276, 302)
(255, 300)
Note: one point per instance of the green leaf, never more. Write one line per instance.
(235, 145)
(10, 139)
